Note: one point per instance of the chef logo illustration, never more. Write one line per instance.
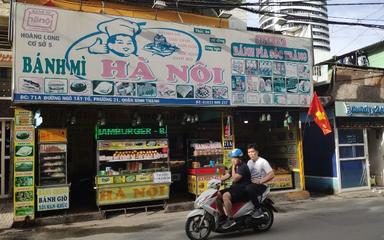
(117, 36)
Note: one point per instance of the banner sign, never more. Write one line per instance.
(24, 169)
(281, 181)
(23, 117)
(228, 138)
(52, 135)
(61, 56)
(126, 194)
(129, 132)
(359, 109)
(162, 177)
(52, 198)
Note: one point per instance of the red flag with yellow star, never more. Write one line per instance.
(316, 110)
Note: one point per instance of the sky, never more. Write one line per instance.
(343, 38)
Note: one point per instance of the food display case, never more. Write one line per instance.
(133, 165)
(205, 163)
(52, 164)
(53, 187)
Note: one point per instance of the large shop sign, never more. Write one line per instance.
(61, 56)
(359, 109)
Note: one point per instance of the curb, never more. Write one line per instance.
(179, 207)
(70, 218)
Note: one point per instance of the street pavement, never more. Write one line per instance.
(349, 219)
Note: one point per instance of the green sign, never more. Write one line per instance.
(202, 31)
(213, 48)
(129, 132)
(217, 40)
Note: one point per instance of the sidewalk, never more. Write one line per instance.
(285, 201)
(6, 213)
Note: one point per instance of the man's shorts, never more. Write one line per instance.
(238, 192)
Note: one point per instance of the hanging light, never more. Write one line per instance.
(73, 120)
(196, 117)
(38, 119)
(138, 120)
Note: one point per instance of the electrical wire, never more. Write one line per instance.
(293, 17)
(246, 6)
(358, 36)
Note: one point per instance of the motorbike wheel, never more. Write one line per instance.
(194, 232)
(267, 221)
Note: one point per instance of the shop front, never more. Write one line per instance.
(154, 120)
(359, 144)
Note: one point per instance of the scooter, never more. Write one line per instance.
(205, 218)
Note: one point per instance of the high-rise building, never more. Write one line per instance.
(288, 16)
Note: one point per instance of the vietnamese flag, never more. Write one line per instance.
(316, 110)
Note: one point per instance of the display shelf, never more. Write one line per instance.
(53, 171)
(51, 178)
(57, 165)
(127, 151)
(131, 160)
(52, 160)
(133, 148)
(117, 145)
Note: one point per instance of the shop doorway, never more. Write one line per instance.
(352, 150)
(5, 158)
(376, 155)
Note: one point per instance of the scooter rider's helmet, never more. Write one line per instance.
(236, 153)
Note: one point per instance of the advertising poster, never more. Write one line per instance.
(24, 170)
(278, 75)
(52, 135)
(125, 194)
(281, 181)
(52, 198)
(122, 60)
(228, 138)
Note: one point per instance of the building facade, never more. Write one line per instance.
(352, 157)
(153, 119)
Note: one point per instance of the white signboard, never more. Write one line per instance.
(359, 109)
(162, 177)
(53, 198)
(75, 57)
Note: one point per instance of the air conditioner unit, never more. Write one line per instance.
(224, 14)
(159, 4)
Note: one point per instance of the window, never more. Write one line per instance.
(317, 71)
(5, 82)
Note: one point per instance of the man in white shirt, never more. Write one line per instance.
(261, 173)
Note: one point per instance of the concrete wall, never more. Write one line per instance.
(376, 154)
(358, 84)
(321, 184)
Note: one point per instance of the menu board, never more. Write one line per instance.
(24, 170)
